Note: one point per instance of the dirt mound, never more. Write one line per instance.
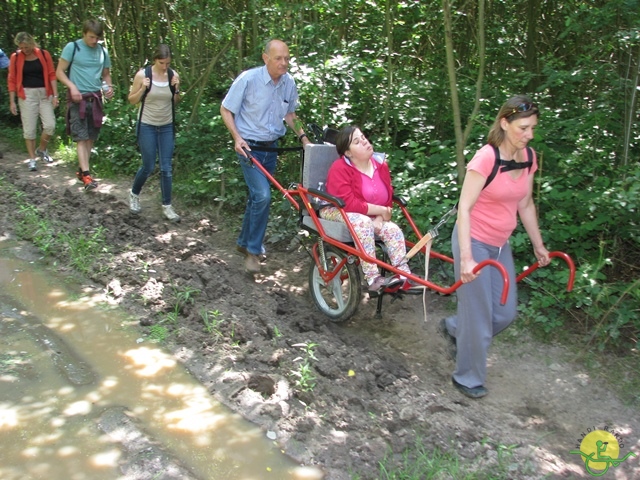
(373, 385)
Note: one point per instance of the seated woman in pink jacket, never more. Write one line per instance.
(363, 182)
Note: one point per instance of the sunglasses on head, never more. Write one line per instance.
(523, 107)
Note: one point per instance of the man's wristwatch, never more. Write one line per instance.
(300, 137)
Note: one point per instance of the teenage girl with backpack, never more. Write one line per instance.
(157, 90)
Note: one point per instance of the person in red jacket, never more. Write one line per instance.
(363, 181)
(32, 79)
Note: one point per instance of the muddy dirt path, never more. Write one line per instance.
(540, 401)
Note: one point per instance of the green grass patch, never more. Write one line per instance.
(83, 249)
(424, 462)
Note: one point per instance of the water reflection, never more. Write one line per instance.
(56, 424)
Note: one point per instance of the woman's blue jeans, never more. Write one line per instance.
(155, 142)
(256, 214)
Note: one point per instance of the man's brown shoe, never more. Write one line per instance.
(243, 251)
(251, 263)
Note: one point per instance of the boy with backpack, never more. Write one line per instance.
(84, 67)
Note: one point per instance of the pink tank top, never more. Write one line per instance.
(494, 216)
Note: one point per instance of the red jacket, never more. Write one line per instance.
(16, 64)
(343, 181)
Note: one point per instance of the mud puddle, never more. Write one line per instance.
(83, 396)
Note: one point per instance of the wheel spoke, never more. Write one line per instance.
(338, 294)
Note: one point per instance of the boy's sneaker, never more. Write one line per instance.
(32, 165)
(79, 174)
(134, 203)
(89, 183)
(44, 155)
(170, 214)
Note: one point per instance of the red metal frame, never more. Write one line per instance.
(357, 250)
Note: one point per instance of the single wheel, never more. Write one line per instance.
(339, 298)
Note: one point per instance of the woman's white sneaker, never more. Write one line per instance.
(134, 203)
(44, 155)
(170, 214)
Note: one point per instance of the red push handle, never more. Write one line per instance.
(562, 255)
(271, 178)
(501, 269)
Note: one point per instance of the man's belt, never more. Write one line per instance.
(266, 147)
(261, 143)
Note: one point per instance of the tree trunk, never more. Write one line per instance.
(630, 106)
(531, 48)
(389, 32)
(461, 137)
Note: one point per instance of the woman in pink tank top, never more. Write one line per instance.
(487, 216)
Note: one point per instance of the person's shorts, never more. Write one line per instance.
(36, 105)
(82, 128)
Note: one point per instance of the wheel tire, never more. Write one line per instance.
(338, 300)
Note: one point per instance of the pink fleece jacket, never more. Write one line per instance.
(343, 181)
(16, 65)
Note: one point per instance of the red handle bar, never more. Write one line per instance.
(565, 257)
(501, 269)
(270, 177)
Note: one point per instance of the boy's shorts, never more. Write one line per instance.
(82, 128)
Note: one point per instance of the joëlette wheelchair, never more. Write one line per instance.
(335, 277)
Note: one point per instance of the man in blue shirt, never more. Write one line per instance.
(253, 110)
(89, 69)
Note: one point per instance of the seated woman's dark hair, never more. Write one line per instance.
(344, 138)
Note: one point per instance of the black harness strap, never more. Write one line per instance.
(505, 166)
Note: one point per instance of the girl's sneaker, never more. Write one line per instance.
(134, 203)
(170, 214)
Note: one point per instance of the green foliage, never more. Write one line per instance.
(303, 373)
(212, 320)
(83, 248)
(158, 333)
(36, 229)
(423, 462)
(116, 153)
(387, 74)
(183, 296)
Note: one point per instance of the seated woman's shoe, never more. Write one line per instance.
(381, 283)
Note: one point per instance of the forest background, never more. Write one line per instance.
(424, 80)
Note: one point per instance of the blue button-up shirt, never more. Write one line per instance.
(259, 106)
